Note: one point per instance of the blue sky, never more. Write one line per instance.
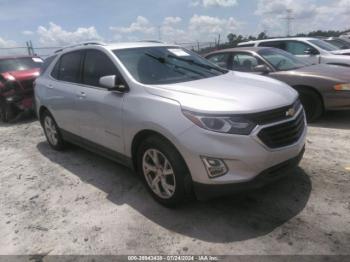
(50, 23)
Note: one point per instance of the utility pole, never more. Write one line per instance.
(28, 48)
(31, 47)
(289, 18)
(160, 33)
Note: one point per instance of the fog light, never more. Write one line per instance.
(215, 167)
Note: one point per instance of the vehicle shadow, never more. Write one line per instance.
(228, 219)
(22, 119)
(334, 119)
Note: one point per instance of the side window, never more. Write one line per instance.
(69, 67)
(275, 44)
(220, 59)
(245, 62)
(96, 65)
(47, 63)
(298, 48)
(246, 45)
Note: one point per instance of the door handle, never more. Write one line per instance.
(82, 95)
(50, 86)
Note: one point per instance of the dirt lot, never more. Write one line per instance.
(79, 203)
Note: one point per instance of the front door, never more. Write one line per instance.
(100, 110)
(303, 51)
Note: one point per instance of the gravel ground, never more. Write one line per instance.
(75, 202)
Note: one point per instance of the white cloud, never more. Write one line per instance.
(307, 15)
(7, 43)
(27, 32)
(54, 35)
(208, 27)
(141, 25)
(174, 29)
(171, 20)
(210, 3)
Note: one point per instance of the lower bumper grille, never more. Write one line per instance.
(283, 134)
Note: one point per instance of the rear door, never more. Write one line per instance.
(62, 91)
(99, 109)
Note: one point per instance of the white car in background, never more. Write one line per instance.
(310, 50)
(346, 37)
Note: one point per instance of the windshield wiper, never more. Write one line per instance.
(164, 61)
(191, 61)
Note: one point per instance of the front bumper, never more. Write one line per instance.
(245, 156)
(272, 174)
(339, 100)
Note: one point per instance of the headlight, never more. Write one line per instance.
(222, 124)
(342, 87)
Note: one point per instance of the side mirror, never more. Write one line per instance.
(262, 69)
(310, 51)
(113, 83)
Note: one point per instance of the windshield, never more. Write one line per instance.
(339, 43)
(280, 59)
(166, 65)
(324, 45)
(19, 64)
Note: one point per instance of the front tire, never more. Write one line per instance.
(7, 112)
(52, 131)
(163, 171)
(312, 103)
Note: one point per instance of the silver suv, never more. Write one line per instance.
(186, 125)
(310, 50)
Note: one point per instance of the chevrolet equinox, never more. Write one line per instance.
(184, 124)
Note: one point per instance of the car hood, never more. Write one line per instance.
(341, 52)
(325, 71)
(22, 75)
(233, 92)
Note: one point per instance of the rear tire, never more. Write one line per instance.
(7, 112)
(312, 103)
(52, 131)
(163, 171)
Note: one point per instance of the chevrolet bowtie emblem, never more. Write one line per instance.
(290, 112)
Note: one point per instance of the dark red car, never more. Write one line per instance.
(17, 75)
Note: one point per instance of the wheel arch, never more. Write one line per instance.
(41, 111)
(141, 136)
(312, 89)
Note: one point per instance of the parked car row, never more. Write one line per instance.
(321, 87)
(189, 126)
(310, 50)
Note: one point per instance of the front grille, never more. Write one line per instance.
(275, 115)
(27, 84)
(284, 134)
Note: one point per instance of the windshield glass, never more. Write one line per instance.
(324, 45)
(20, 64)
(339, 43)
(166, 65)
(281, 60)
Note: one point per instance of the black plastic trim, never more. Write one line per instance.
(98, 149)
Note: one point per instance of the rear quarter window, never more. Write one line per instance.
(47, 63)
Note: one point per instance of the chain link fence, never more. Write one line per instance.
(45, 51)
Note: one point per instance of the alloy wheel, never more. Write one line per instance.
(159, 173)
(51, 130)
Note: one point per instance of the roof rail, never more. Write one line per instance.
(152, 41)
(80, 44)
